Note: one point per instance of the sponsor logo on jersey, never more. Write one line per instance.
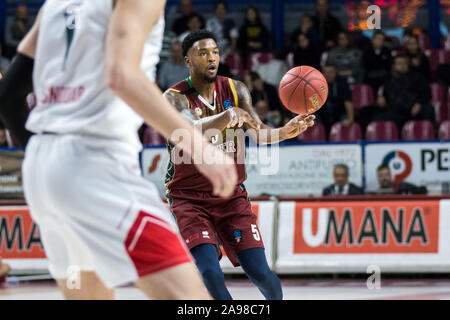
(237, 235)
(205, 234)
(62, 95)
(227, 104)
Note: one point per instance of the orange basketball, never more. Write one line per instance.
(303, 90)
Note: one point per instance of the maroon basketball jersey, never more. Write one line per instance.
(185, 176)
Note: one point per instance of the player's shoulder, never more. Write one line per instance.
(179, 87)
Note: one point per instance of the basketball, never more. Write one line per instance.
(303, 90)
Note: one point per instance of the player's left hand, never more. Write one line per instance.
(297, 125)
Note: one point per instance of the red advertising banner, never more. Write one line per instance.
(19, 235)
(366, 227)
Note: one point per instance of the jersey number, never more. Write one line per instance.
(255, 232)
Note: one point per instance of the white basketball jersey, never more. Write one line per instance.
(69, 73)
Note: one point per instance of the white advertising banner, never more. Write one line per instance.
(304, 169)
(422, 164)
(357, 236)
(265, 212)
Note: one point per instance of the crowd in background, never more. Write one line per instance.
(397, 71)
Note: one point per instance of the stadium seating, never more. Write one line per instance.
(234, 62)
(315, 134)
(258, 58)
(382, 130)
(418, 130)
(444, 130)
(152, 137)
(437, 57)
(362, 95)
(339, 133)
(438, 102)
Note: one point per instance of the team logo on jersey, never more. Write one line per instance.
(72, 18)
(227, 104)
(237, 235)
(198, 111)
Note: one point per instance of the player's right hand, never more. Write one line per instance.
(220, 170)
(239, 116)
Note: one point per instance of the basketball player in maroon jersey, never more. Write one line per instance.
(215, 102)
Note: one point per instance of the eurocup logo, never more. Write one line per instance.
(400, 164)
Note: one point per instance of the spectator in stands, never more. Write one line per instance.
(404, 96)
(253, 35)
(387, 186)
(417, 59)
(223, 28)
(376, 61)
(166, 51)
(181, 24)
(326, 24)
(16, 29)
(307, 28)
(339, 106)
(171, 72)
(261, 90)
(194, 23)
(341, 186)
(346, 59)
(4, 62)
(305, 53)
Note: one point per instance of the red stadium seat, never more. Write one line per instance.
(258, 58)
(315, 134)
(424, 41)
(444, 130)
(418, 130)
(438, 102)
(437, 57)
(234, 62)
(152, 137)
(382, 130)
(340, 133)
(362, 95)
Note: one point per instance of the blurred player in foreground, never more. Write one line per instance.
(214, 103)
(101, 223)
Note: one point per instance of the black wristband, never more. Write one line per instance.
(16, 84)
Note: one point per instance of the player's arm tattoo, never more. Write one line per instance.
(180, 102)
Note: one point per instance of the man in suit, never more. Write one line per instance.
(341, 186)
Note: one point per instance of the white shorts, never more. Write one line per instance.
(96, 212)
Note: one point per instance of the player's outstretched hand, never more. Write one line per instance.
(239, 116)
(297, 125)
(220, 169)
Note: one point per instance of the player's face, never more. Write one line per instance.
(340, 176)
(203, 59)
(384, 178)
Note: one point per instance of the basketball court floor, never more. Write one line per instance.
(294, 289)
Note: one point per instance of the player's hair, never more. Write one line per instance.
(381, 167)
(341, 166)
(195, 36)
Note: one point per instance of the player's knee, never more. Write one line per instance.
(212, 276)
(261, 275)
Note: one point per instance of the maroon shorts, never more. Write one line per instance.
(204, 218)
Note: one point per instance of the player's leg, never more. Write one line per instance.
(207, 262)
(87, 286)
(180, 282)
(254, 263)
